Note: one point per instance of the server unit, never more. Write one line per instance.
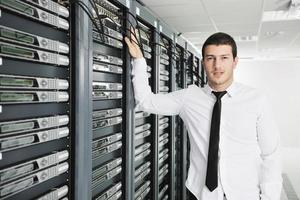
(35, 100)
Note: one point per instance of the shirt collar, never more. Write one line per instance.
(231, 90)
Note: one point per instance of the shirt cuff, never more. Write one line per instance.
(271, 191)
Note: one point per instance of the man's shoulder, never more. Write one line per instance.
(247, 89)
(251, 94)
(194, 89)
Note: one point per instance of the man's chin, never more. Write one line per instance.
(217, 81)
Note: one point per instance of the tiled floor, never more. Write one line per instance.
(289, 192)
(291, 173)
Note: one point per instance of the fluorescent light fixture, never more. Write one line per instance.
(281, 15)
(246, 38)
(273, 33)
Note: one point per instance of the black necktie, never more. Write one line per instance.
(212, 163)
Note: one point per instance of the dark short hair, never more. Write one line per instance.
(220, 39)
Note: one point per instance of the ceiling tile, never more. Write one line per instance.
(180, 10)
(277, 40)
(276, 28)
(188, 28)
(197, 19)
(238, 17)
(273, 5)
(238, 29)
(215, 7)
(188, 20)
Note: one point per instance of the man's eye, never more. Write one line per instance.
(224, 57)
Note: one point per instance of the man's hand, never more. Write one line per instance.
(133, 46)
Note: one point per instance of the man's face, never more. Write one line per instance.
(219, 64)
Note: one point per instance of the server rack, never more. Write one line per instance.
(203, 76)
(145, 123)
(78, 72)
(82, 41)
(196, 71)
(180, 130)
(164, 122)
(109, 96)
(189, 68)
(35, 100)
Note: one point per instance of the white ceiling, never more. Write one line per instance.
(197, 19)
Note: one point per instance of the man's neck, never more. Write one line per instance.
(220, 88)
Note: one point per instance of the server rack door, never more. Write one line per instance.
(35, 98)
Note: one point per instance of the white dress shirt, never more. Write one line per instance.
(249, 160)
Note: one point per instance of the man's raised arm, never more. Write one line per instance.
(163, 104)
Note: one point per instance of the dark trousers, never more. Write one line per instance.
(190, 196)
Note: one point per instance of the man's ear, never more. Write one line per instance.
(235, 62)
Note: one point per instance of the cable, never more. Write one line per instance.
(89, 13)
(151, 43)
(98, 21)
(87, 10)
(99, 17)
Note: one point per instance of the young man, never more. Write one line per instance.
(234, 140)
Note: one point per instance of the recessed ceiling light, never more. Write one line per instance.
(281, 15)
(273, 33)
(246, 38)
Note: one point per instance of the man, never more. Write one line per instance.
(234, 140)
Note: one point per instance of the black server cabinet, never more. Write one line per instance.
(109, 116)
(203, 75)
(145, 167)
(196, 71)
(35, 100)
(189, 68)
(164, 122)
(144, 123)
(68, 124)
(180, 131)
(188, 80)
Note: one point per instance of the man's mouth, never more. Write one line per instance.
(217, 73)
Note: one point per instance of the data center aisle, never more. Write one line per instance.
(69, 129)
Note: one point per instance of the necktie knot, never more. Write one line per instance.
(219, 95)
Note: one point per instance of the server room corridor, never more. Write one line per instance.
(109, 99)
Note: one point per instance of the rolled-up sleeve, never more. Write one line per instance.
(146, 100)
(269, 142)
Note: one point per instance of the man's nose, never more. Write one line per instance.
(217, 63)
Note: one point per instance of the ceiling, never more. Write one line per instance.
(257, 37)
